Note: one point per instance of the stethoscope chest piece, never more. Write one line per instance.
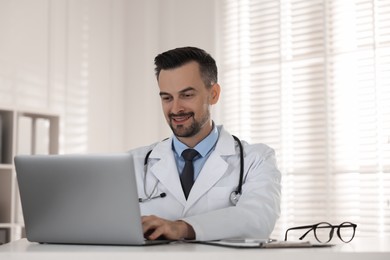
(234, 197)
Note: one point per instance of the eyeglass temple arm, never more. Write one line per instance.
(300, 227)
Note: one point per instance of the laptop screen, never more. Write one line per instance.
(80, 199)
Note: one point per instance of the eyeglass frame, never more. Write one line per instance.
(315, 226)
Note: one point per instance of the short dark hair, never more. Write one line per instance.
(180, 56)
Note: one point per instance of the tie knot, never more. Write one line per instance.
(189, 154)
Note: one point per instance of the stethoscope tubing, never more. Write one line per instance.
(236, 194)
(241, 178)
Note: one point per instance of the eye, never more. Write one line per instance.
(166, 98)
(188, 95)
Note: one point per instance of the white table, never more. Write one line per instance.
(363, 248)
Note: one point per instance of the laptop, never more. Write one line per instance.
(80, 199)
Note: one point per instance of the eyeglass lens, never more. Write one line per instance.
(346, 231)
(323, 232)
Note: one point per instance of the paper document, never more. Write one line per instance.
(261, 243)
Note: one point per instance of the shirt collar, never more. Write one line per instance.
(203, 148)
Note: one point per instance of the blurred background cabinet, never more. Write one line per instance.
(21, 132)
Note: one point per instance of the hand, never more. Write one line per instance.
(155, 227)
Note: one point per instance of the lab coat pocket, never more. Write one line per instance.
(219, 197)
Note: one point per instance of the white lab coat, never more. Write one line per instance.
(208, 208)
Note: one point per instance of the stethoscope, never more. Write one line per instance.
(234, 196)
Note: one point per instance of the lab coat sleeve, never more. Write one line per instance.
(255, 214)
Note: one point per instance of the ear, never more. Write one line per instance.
(214, 93)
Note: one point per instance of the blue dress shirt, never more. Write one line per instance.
(204, 148)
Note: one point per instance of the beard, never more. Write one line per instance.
(191, 130)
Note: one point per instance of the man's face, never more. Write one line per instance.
(186, 101)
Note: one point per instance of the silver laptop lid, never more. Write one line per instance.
(80, 199)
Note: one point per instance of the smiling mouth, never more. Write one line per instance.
(179, 119)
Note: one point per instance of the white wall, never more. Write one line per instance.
(92, 62)
(63, 56)
(154, 27)
(107, 76)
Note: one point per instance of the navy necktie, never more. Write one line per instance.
(187, 175)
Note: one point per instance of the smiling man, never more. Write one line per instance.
(186, 102)
(202, 183)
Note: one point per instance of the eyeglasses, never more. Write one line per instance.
(324, 231)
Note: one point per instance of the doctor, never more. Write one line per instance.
(187, 80)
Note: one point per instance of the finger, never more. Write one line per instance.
(165, 229)
(149, 224)
(157, 233)
(146, 223)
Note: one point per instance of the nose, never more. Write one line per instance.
(177, 107)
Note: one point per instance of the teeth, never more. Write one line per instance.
(181, 118)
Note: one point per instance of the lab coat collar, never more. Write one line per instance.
(225, 145)
(214, 168)
(165, 169)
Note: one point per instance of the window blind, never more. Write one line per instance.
(311, 80)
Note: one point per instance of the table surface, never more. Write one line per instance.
(359, 248)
